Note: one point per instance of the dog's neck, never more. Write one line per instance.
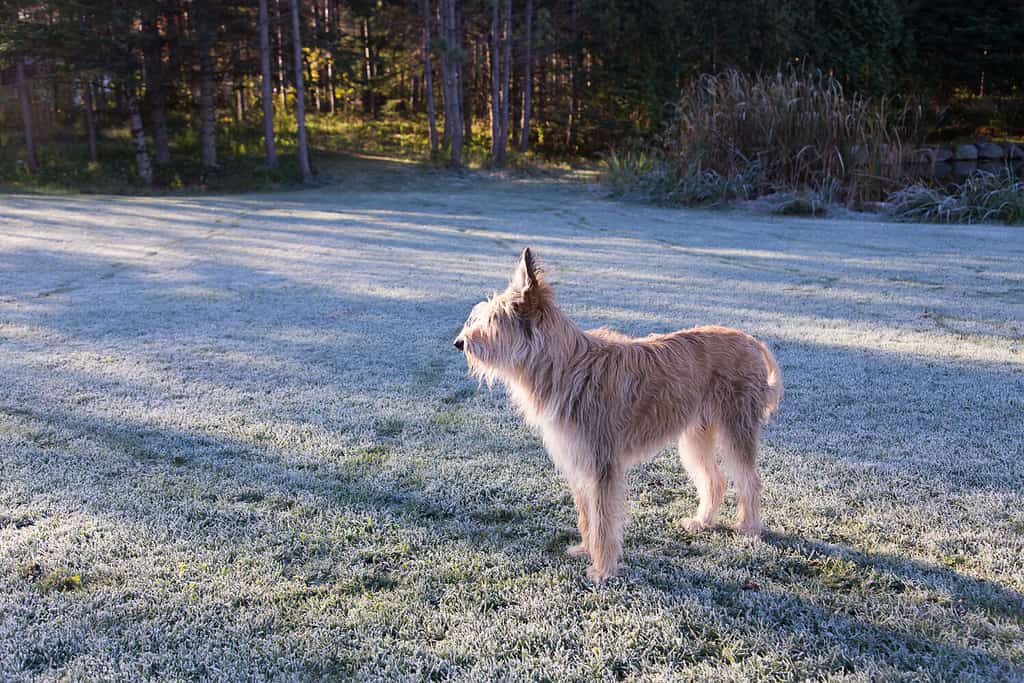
(536, 383)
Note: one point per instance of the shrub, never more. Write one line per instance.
(800, 130)
(981, 197)
(803, 204)
(646, 176)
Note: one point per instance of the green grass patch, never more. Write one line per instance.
(65, 167)
(52, 581)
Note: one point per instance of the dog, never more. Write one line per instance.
(604, 402)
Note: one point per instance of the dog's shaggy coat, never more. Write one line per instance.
(604, 402)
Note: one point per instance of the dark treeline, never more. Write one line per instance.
(559, 77)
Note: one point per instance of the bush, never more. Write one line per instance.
(798, 129)
(981, 197)
(644, 176)
(803, 204)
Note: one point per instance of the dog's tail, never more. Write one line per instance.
(774, 382)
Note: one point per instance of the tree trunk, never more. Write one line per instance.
(506, 78)
(451, 68)
(574, 94)
(154, 68)
(26, 118)
(542, 91)
(500, 67)
(369, 94)
(465, 91)
(207, 105)
(428, 78)
(142, 162)
(282, 86)
(268, 96)
(497, 149)
(329, 28)
(316, 77)
(300, 97)
(446, 67)
(90, 121)
(524, 140)
(51, 111)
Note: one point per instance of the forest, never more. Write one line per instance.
(180, 91)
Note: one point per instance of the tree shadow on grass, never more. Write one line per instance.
(238, 488)
(895, 574)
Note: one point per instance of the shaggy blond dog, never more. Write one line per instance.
(605, 402)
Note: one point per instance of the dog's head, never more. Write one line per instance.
(503, 330)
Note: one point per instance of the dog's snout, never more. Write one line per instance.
(459, 344)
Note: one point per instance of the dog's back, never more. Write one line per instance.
(729, 373)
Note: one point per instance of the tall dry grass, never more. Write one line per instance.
(798, 128)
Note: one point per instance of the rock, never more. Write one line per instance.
(966, 153)
(962, 169)
(1015, 152)
(990, 150)
(942, 170)
(943, 154)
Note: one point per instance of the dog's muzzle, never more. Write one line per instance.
(459, 344)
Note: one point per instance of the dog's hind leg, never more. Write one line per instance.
(606, 515)
(580, 499)
(697, 451)
(739, 455)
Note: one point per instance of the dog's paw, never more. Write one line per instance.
(599, 576)
(695, 524)
(578, 550)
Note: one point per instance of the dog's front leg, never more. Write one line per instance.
(580, 499)
(606, 499)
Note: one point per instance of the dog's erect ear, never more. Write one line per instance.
(525, 276)
(526, 284)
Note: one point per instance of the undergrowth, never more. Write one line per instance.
(739, 136)
(982, 197)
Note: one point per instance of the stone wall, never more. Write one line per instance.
(960, 161)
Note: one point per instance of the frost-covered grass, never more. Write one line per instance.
(982, 197)
(235, 443)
